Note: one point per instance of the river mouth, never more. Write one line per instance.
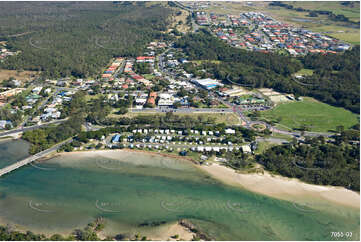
(142, 193)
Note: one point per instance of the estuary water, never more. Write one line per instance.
(12, 151)
(135, 192)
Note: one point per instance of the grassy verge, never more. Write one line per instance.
(227, 118)
(263, 146)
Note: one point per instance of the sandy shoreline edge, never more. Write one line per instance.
(266, 184)
(283, 187)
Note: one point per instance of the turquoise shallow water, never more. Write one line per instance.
(131, 189)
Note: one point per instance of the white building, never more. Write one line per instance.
(246, 149)
(230, 131)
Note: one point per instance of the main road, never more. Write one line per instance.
(23, 129)
(181, 110)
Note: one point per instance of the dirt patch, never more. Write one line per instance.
(18, 75)
(183, 27)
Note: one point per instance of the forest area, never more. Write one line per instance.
(335, 79)
(77, 38)
(317, 161)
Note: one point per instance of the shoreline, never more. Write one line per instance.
(275, 186)
(126, 150)
(284, 188)
(166, 232)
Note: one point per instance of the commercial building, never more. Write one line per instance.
(207, 83)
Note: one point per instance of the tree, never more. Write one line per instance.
(177, 105)
(340, 128)
(312, 14)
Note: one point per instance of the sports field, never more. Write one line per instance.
(315, 115)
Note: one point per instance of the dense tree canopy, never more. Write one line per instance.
(317, 162)
(77, 38)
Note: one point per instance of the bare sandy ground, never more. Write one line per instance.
(171, 230)
(283, 188)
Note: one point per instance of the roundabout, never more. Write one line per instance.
(258, 127)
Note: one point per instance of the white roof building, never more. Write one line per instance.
(246, 149)
(230, 131)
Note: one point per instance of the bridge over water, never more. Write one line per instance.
(32, 158)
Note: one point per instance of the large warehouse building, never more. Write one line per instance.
(207, 83)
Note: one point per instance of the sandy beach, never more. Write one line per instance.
(283, 187)
(166, 233)
(114, 153)
(266, 184)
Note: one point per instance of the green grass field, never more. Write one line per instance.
(148, 76)
(263, 146)
(198, 62)
(336, 7)
(316, 115)
(304, 72)
(350, 35)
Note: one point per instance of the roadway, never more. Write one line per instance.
(23, 129)
(32, 158)
(181, 110)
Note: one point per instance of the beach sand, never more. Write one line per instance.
(276, 186)
(168, 231)
(283, 187)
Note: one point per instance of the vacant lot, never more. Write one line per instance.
(311, 113)
(227, 118)
(148, 76)
(198, 62)
(180, 21)
(304, 72)
(19, 75)
(351, 11)
(350, 35)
